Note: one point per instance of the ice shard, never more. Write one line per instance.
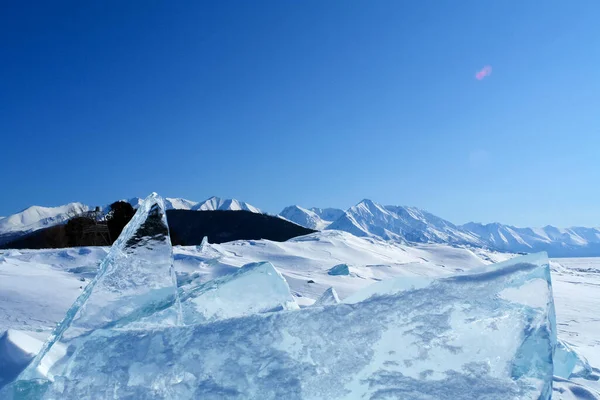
(486, 334)
(254, 288)
(203, 245)
(134, 280)
(328, 298)
(569, 364)
(340, 269)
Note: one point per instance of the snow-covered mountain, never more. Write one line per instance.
(216, 203)
(400, 223)
(36, 217)
(210, 204)
(314, 218)
(368, 218)
(558, 242)
(179, 204)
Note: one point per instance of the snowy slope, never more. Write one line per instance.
(36, 217)
(216, 203)
(368, 218)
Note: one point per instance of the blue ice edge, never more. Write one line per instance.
(489, 332)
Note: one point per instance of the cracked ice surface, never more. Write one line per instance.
(134, 279)
(478, 335)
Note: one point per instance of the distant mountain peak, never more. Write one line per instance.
(217, 203)
(367, 202)
(368, 218)
(178, 203)
(37, 217)
(556, 241)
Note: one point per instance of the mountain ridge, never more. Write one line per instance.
(34, 218)
(411, 224)
(365, 219)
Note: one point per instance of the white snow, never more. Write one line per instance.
(16, 351)
(37, 287)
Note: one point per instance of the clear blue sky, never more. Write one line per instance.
(317, 103)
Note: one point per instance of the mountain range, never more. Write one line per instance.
(411, 224)
(365, 219)
(211, 204)
(36, 217)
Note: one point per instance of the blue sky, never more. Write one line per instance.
(306, 102)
